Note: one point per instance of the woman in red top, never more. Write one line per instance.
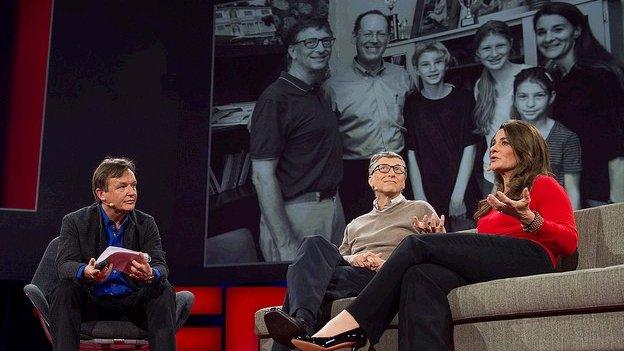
(523, 230)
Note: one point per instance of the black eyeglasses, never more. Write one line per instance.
(384, 168)
(312, 43)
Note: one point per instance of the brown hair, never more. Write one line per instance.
(537, 75)
(588, 52)
(110, 167)
(532, 153)
(304, 22)
(486, 99)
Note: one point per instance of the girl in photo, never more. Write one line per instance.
(494, 89)
(534, 94)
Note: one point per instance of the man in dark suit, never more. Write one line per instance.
(143, 296)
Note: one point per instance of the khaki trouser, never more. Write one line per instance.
(307, 216)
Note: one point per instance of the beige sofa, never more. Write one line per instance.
(579, 309)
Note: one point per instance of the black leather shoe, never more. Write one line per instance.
(282, 327)
(354, 339)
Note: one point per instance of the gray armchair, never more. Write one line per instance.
(94, 334)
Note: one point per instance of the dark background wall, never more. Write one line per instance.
(129, 78)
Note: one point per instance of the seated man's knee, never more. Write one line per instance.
(314, 241)
(409, 242)
(66, 288)
(66, 292)
(161, 300)
(161, 290)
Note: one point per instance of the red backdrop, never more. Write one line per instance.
(29, 63)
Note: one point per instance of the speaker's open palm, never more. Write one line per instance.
(515, 208)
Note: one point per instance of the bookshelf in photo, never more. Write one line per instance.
(233, 165)
(241, 73)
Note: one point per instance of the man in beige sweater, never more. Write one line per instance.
(321, 272)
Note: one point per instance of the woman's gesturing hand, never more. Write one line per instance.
(515, 208)
(429, 224)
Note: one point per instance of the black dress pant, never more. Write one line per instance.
(318, 275)
(151, 307)
(423, 269)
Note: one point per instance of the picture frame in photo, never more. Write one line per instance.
(250, 24)
(433, 16)
(398, 59)
(261, 22)
(485, 10)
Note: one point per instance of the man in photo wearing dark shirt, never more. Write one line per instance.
(295, 149)
(143, 296)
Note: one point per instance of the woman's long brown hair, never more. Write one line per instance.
(532, 153)
(486, 99)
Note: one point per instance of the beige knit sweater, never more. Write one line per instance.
(380, 231)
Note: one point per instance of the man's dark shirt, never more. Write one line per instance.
(293, 123)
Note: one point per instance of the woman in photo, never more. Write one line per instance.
(531, 226)
(534, 93)
(590, 98)
(440, 141)
(494, 89)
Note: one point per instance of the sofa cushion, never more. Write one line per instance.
(540, 294)
(600, 231)
(580, 332)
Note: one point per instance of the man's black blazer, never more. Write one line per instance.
(84, 236)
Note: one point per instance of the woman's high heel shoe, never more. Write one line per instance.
(354, 338)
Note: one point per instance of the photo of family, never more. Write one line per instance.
(240, 176)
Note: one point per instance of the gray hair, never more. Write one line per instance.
(387, 154)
